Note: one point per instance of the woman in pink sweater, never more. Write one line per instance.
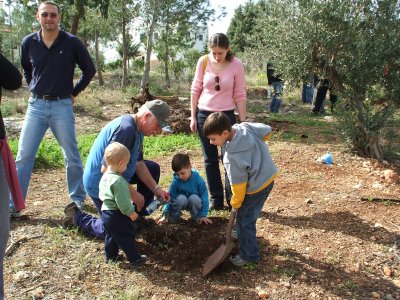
(218, 86)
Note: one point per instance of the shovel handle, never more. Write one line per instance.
(230, 226)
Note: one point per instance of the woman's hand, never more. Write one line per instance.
(193, 124)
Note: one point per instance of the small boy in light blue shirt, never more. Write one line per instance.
(188, 191)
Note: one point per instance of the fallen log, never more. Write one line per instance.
(374, 199)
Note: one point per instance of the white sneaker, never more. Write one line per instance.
(14, 214)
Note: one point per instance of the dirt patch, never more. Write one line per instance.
(318, 240)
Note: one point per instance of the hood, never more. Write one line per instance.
(245, 136)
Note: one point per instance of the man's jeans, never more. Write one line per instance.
(277, 97)
(181, 202)
(4, 221)
(211, 162)
(59, 116)
(307, 93)
(246, 219)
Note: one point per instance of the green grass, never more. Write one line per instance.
(156, 146)
(50, 156)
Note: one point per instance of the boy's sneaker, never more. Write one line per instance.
(238, 261)
(139, 261)
(15, 214)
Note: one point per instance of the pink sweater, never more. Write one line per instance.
(231, 81)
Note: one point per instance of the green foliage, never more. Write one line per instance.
(50, 156)
(241, 29)
(353, 43)
(157, 146)
(114, 65)
(138, 65)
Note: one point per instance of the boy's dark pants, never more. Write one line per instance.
(246, 219)
(120, 233)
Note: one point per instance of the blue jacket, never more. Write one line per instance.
(123, 130)
(194, 185)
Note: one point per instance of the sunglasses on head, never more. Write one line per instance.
(217, 87)
(51, 15)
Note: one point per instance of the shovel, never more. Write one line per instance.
(223, 251)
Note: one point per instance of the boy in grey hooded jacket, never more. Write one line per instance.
(251, 172)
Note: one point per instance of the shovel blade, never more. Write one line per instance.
(217, 258)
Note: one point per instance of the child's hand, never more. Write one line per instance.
(134, 216)
(162, 220)
(205, 220)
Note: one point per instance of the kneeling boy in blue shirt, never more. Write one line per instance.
(188, 191)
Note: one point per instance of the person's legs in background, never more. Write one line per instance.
(320, 98)
(277, 97)
(333, 99)
(4, 222)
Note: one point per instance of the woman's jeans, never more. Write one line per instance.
(59, 116)
(211, 162)
(246, 219)
(4, 221)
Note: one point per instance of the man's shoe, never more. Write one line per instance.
(70, 211)
(139, 262)
(14, 214)
(238, 261)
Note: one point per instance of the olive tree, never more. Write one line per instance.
(354, 43)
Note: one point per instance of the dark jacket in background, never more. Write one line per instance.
(271, 74)
(10, 79)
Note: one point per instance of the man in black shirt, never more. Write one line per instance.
(48, 58)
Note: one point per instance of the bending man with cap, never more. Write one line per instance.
(128, 130)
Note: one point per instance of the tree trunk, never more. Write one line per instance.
(146, 70)
(124, 52)
(75, 24)
(166, 66)
(366, 138)
(98, 64)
